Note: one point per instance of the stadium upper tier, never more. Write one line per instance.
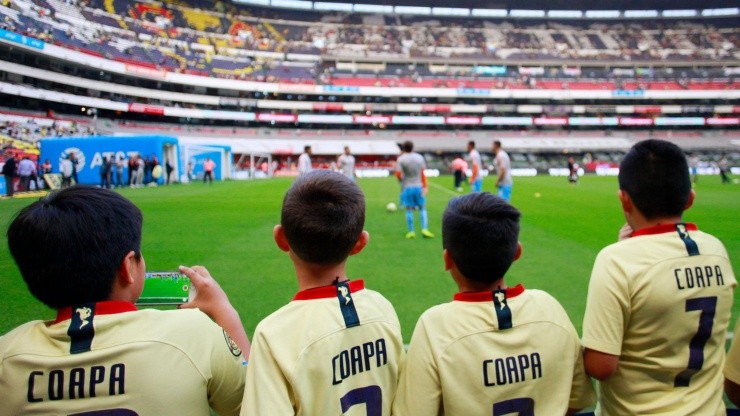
(233, 42)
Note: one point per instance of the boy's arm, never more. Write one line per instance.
(600, 365)
(607, 310)
(212, 301)
(582, 394)
(419, 390)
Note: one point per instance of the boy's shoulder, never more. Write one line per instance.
(319, 314)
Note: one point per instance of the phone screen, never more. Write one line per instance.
(164, 288)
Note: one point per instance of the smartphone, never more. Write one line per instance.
(165, 288)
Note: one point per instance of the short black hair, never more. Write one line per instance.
(471, 143)
(408, 146)
(655, 174)
(323, 216)
(306, 148)
(481, 233)
(497, 143)
(70, 244)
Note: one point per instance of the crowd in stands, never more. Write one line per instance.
(220, 39)
(31, 131)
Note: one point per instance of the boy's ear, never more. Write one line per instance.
(361, 243)
(279, 235)
(449, 261)
(625, 200)
(518, 251)
(125, 276)
(690, 202)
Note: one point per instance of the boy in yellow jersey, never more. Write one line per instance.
(732, 368)
(337, 347)
(494, 349)
(659, 301)
(79, 252)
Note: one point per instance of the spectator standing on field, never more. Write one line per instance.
(9, 172)
(458, 168)
(208, 166)
(724, 169)
(572, 171)
(26, 169)
(75, 162)
(119, 172)
(133, 166)
(66, 167)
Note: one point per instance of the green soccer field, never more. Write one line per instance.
(228, 228)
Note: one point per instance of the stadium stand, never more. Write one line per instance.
(200, 67)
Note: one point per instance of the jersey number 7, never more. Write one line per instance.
(372, 396)
(707, 306)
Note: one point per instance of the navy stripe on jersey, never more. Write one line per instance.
(691, 246)
(347, 305)
(503, 312)
(81, 331)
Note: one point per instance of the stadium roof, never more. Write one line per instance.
(556, 4)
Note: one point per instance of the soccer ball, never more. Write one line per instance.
(391, 207)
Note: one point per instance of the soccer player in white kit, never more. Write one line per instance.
(659, 301)
(304, 161)
(494, 349)
(101, 355)
(346, 163)
(336, 348)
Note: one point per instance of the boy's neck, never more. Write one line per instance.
(311, 276)
(639, 222)
(467, 285)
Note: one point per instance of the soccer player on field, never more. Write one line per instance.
(659, 301)
(504, 181)
(410, 171)
(494, 349)
(475, 162)
(79, 252)
(346, 163)
(304, 161)
(337, 347)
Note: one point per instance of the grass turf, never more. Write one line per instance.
(228, 228)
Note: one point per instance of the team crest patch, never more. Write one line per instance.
(235, 350)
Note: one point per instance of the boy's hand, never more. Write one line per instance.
(424, 191)
(212, 300)
(625, 232)
(209, 297)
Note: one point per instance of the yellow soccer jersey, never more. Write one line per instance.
(503, 352)
(661, 301)
(332, 350)
(109, 357)
(732, 364)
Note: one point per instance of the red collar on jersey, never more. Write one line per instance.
(329, 291)
(487, 296)
(662, 229)
(108, 307)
